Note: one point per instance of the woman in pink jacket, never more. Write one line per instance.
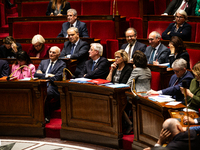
(22, 58)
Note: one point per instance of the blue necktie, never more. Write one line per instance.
(152, 56)
(49, 71)
(72, 49)
(93, 66)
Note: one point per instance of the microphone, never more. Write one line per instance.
(10, 76)
(133, 90)
(64, 77)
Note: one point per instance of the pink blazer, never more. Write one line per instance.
(23, 73)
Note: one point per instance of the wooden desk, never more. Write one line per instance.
(92, 113)
(148, 117)
(22, 108)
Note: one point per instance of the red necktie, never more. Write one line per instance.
(183, 6)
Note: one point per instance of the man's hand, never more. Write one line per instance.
(151, 92)
(148, 148)
(188, 119)
(39, 71)
(164, 135)
(50, 75)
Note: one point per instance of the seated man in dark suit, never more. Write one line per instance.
(51, 69)
(156, 52)
(73, 22)
(187, 5)
(4, 68)
(75, 48)
(179, 66)
(97, 66)
(133, 44)
(178, 139)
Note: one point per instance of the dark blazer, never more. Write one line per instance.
(5, 53)
(175, 91)
(138, 46)
(161, 55)
(4, 68)
(183, 55)
(80, 53)
(125, 74)
(57, 70)
(101, 69)
(184, 32)
(175, 4)
(198, 119)
(63, 10)
(83, 32)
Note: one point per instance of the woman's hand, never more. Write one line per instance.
(188, 92)
(113, 66)
(172, 48)
(14, 47)
(59, 15)
(51, 14)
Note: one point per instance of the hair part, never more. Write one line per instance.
(139, 59)
(124, 55)
(23, 56)
(98, 47)
(38, 39)
(179, 63)
(73, 28)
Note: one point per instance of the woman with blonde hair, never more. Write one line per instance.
(120, 70)
(38, 48)
(57, 8)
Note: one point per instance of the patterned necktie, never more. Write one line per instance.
(93, 66)
(152, 56)
(72, 49)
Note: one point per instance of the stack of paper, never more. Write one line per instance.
(162, 98)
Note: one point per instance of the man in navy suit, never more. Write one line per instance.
(73, 22)
(156, 53)
(4, 68)
(187, 5)
(52, 70)
(179, 66)
(97, 66)
(75, 48)
(132, 44)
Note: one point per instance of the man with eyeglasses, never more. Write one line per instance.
(75, 48)
(73, 22)
(179, 66)
(187, 5)
(156, 53)
(132, 44)
(97, 66)
(178, 28)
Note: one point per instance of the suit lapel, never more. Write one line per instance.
(77, 46)
(55, 66)
(46, 65)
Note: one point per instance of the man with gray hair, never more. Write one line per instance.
(73, 22)
(132, 44)
(75, 48)
(179, 66)
(97, 66)
(156, 52)
(51, 69)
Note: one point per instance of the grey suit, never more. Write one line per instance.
(161, 55)
(142, 78)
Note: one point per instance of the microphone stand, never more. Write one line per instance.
(8, 78)
(133, 90)
(184, 84)
(64, 75)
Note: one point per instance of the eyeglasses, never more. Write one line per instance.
(38, 45)
(177, 71)
(179, 17)
(151, 39)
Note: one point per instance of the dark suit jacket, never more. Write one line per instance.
(174, 91)
(161, 55)
(125, 74)
(80, 53)
(138, 46)
(184, 32)
(175, 4)
(63, 10)
(4, 68)
(57, 70)
(101, 69)
(183, 55)
(83, 32)
(5, 53)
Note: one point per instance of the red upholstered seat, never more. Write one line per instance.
(136, 23)
(159, 26)
(194, 56)
(60, 45)
(25, 47)
(29, 9)
(96, 7)
(88, 25)
(111, 47)
(193, 32)
(197, 38)
(50, 29)
(25, 29)
(155, 81)
(76, 5)
(102, 29)
(128, 8)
